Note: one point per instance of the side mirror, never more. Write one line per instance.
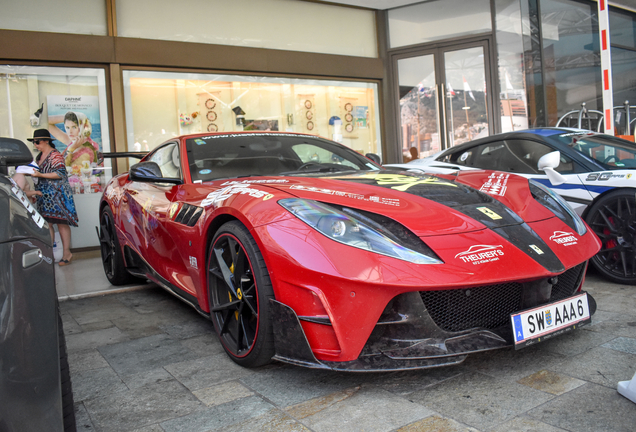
(13, 152)
(374, 157)
(548, 163)
(150, 172)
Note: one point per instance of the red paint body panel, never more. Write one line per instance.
(317, 276)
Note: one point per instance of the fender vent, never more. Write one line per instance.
(189, 215)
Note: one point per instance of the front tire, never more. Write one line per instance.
(239, 291)
(613, 219)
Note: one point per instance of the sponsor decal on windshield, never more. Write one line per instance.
(564, 238)
(496, 184)
(242, 182)
(481, 254)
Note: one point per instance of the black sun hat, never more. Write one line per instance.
(42, 134)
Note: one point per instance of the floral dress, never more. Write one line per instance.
(56, 204)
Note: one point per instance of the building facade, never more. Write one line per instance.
(417, 78)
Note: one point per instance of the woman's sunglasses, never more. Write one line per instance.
(38, 141)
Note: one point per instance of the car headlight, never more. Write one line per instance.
(349, 230)
(555, 203)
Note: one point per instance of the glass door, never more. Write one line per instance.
(443, 98)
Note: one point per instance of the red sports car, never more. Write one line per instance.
(304, 251)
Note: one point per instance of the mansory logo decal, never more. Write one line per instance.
(228, 191)
(480, 254)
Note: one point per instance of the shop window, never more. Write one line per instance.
(162, 105)
(571, 57)
(71, 103)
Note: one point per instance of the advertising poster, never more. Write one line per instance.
(361, 116)
(74, 122)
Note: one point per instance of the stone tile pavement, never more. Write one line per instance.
(143, 361)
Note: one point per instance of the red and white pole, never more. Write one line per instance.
(606, 65)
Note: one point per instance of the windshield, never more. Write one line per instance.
(266, 154)
(608, 151)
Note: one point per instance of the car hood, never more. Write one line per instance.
(427, 205)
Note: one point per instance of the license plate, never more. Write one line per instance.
(543, 322)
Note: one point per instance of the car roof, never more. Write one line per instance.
(545, 132)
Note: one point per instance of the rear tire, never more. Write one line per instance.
(239, 291)
(613, 219)
(112, 257)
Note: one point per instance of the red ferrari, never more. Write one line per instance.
(304, 251)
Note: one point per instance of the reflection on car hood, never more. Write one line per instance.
(427, 205)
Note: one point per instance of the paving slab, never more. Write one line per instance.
(145, 354)
(511, 364)
(271, 421)
(624, 344)
(368, 409)
(94, 339)
(219, 416)
(590, 408)
(479, 400)
(80, 361)
(603, 366)
(551, 382)
(94, 383)
(133, 409)
(287, 385)
(206, 371)
(436, 423)
(526, 424)
(222, 393)
(406, 382)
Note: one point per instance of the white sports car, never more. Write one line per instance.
(595, 173)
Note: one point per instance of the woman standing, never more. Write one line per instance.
(56, 204)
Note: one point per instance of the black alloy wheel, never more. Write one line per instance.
(112, 258)
(613, 219)
(239, 292)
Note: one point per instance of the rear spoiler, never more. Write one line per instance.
(114, 155)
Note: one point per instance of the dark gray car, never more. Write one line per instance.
(35, 385)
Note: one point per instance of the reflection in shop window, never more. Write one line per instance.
(162, 105)
(571, 54)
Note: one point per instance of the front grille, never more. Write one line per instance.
(568, 283)
(485, 306)
(488, 306)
